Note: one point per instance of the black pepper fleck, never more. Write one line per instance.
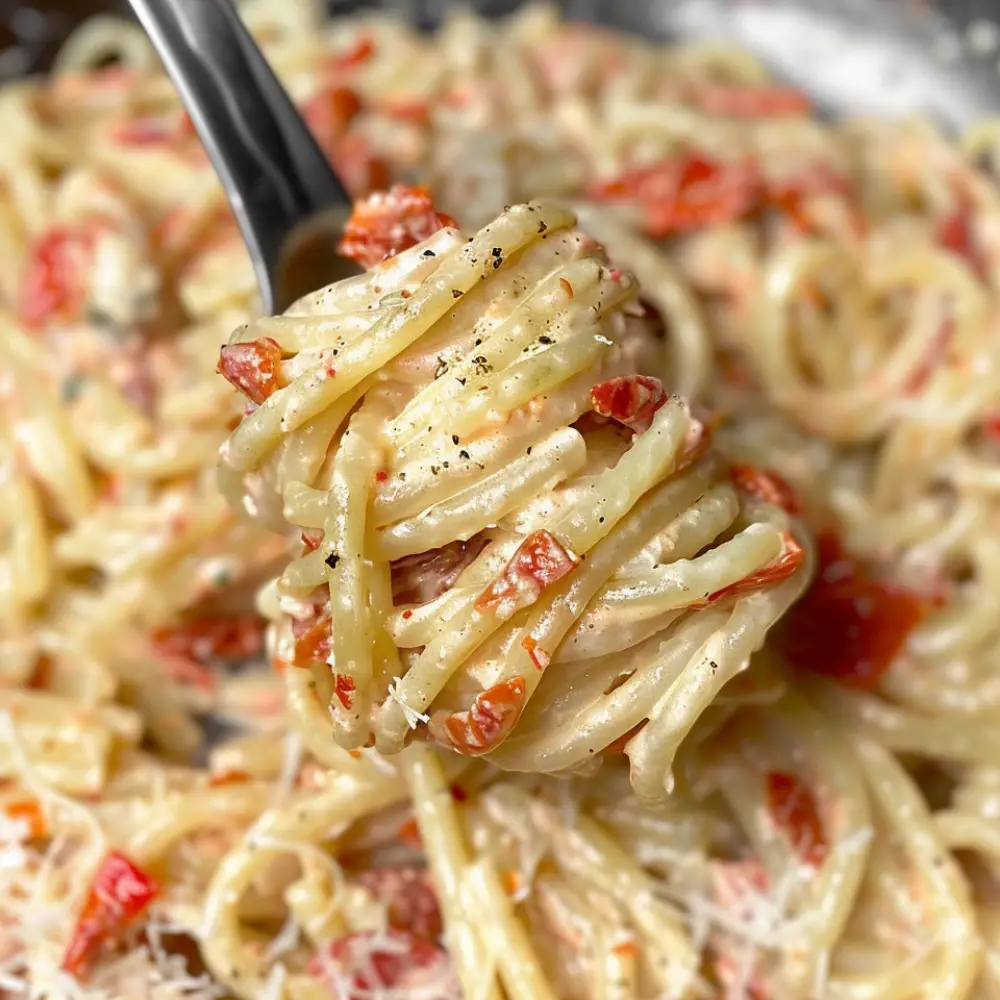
(456, 293)
(464, 454)
(545, 339)
(455, 439)
(542, 227)
(331, 560)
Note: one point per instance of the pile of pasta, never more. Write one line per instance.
(598, 602)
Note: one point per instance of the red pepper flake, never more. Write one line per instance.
(849, 626)
(538, 563)
(627, 949)
(254, 368)
(375, 963)
(232, 637)
(384, 225)
(118, 894)
(408, 112)
(28, 813)
(54, 285)
(566, 287)
(632, 400)
(458, 793)
(487, 722)
(344, 688)
(793, 809)
(512, 882)
(753, 102)
(231, 776)
(409, 898)
(312, 540)
(407, 615)
(381, 476)
(991, 427)
(766, 485)
(539, 657)
(409, 834)
(781, 569)
(686, 192)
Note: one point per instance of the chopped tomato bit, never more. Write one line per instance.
(329, 113)
(539, 562)
(118, 894)
(384, 225)
(766, 485)
(781, 569)
(957, 234)
(423, 577)
(254, 368)
(368, 964)
(409, 897)
(344, 688)
(313, 641)
(632, 400)
(312, 540)
(492, 716)
(753, 102)
(54, 285)
(793, 809)
(539, 657)
(357, 55)
(686, 192)
(233, 637)
(233, 776)
(849, 625)
(28, 814)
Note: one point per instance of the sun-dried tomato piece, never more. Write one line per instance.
(423, 577)
(793, 809)
(118, 894)
(409, 897)
(632, 400)
(792, 194)
(254, 367)
(686, 192)
(539, 562)
(781, 569)
(313, 640)
(753, 102)
(54, 285)
(358, 165)
(849, 625)
(766, 485)
(367, 964)
(384, 225)
(492, 716)
(227, 637)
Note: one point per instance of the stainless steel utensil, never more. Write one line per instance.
(289, 203)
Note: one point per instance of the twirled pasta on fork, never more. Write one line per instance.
(514, 542)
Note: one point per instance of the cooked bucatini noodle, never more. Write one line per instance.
(600, 601)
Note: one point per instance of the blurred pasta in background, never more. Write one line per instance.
(601, 600)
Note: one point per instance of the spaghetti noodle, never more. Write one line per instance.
(512, 537)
